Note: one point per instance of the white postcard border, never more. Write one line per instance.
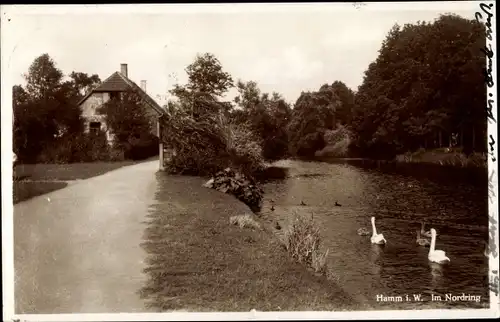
(8, 45)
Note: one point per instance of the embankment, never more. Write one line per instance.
(198, 261)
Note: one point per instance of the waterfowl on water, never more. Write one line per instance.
(272, 207)
(423, 232)
(277, 226)
(337, 204)
(302, 203)
(422, 241)
(436, 256)
(376, 238)
(363, 232)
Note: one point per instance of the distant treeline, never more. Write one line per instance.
(425, 90)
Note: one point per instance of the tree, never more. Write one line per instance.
(206, 83)
(127, 119)
(425, 85)
(45, 111)
(82, 83)
(313, 114)
(344, 109)
(206, 76)
(266, 116)
(43, 78)
(248, 95)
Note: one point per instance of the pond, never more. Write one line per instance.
(457, 209)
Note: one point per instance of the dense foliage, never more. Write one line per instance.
(424, 91)
(267, 117)
(127, 118)
(198, 127)
(46, 114)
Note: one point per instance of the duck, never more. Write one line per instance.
(436, 256)
(277, 226)
(376, 238)
(337, 204)
(423, 232)
(422, 241)
(363, 232)
(272, 207)
(302, 203)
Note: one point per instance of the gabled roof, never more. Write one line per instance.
(117, 82)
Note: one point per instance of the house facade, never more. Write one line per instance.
(110, 88)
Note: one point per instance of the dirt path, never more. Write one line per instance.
(78, 249)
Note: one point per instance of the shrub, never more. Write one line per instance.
(238, 185)
(444, 157)
(140, 148)
(302, 241)
(244, 221)
(80, 148)
(337, 142)
(206, 146)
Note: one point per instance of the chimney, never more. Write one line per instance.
(143, 85)
(123, 70)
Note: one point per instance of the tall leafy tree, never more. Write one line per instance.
(45, 110)
(266, 115)
(425, 86)
(313, 114)
(127, 119)
(207, 82)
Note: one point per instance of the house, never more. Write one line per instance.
(112, 87)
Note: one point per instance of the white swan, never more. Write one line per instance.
(423, 232)
(422, 241)
(436, 256)
(377, 238)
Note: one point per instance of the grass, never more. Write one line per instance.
(66, 172)
(444, 156)
(198, 261)
(24, 190)
(33, 180)
(302, 240)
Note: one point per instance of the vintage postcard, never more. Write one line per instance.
(249, 161)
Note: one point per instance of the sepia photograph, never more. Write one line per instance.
(249, 161)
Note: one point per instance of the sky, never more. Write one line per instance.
(288, 48)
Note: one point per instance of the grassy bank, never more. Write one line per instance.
(24, 190)
(31, 180)
(199, 261)
(448, 157)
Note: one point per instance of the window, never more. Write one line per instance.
(94, 127)
(114, 95)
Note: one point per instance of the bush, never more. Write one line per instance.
(242, 188)
(337, 142)
(141, 148)
(446, 157)
(302, 241)
(80, 148)
(244, 221)
(204, 147)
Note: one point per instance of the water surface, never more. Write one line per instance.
(457, 210)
